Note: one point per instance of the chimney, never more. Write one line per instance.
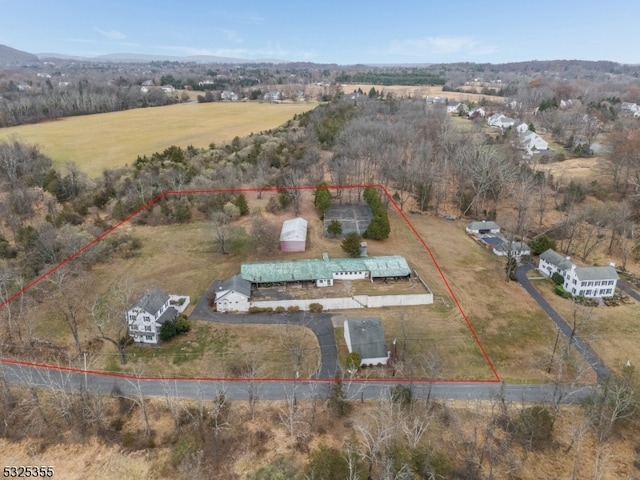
(363, 249)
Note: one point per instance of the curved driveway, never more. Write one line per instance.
(602, 372)
(319, 323)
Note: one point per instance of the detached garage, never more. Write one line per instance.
(293, 236)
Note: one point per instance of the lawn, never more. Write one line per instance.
(108, 140)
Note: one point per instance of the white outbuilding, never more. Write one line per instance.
(293, 236)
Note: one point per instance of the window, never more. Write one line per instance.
(597, 284)
(146, 318)
(149, 337)
(147, 328)
(132, 317)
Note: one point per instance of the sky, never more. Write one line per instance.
(342, 32)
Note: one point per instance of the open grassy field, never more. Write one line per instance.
(96, 142)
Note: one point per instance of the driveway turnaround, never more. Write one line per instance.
(319, 323)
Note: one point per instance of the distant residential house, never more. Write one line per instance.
(436, 100)
(512, 248)
(499, 120)
(482, 227)
(366, 336)
(228, 95)
(233, 295)
(478, 112)
(457, 108)
(532, 142)
(293, 236)
(273, 96)
(593, 282)
(168, 88)
(147, 314)
(522, 127)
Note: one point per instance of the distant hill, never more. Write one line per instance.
(11, 56)
(146, 58)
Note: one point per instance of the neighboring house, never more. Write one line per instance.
(168, 88)
(324, 271)
(499, 120)
(230, 96)
(437, 100)
(483, 227)
(521, 127)
(512, 248)
(532, 142)
(457, 107)
(293, 236)
(273, 96)
(147, 315)
(478, 112)
(594, 282)
(366, 336)
(233, 295)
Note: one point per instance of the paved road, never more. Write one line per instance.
(319, 323)
(74, 380)
(602, 372)
(627, 288)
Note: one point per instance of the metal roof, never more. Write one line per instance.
(367, 337)
(324, 268)
(294, 230)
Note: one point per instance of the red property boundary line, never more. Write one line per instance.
(160, 196)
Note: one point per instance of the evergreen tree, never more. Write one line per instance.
(322, 198)
(351, 244)
(241, 203)
(334, 228)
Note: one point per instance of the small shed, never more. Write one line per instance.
(483, 227)
(293, 236)
(366, 336)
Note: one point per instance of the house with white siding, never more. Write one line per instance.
(233, 295)
(150, 311)
(592, 282)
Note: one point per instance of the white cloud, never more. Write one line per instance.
(442, 45)
(111, 34)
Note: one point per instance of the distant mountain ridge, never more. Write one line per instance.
(12, 56)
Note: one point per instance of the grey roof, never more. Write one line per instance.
(554, 258)
(483, 225)
(515, 246)
(367, 337)
(169, 314)
(237, 284)
(152, 301)
(596, 273)
(323, 268)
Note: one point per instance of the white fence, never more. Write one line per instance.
(347, 303)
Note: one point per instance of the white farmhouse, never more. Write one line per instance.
(499, 120)
(147, 315)
(512, 248)
(532, 142)
(233, 295)
(366, 336)
(593, 282)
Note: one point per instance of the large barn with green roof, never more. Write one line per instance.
(323, 271)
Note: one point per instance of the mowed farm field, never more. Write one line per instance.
(97, 142)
